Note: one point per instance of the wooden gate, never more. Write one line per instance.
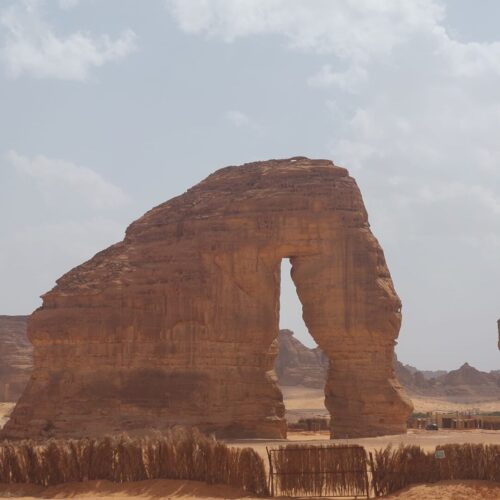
(318, 471)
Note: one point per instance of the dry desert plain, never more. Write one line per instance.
(299, 402)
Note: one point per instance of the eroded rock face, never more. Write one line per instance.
(178, 323)
(15, 357)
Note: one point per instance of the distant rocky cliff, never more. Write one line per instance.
(16, 358)
(296, 364)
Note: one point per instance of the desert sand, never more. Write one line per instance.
(451, 490)
(154, 489)
(305, 402)
(428, 440)
(425, 404)
(186, 490)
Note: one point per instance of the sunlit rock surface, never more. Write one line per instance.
(178, 323)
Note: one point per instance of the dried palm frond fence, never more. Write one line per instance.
(396, 468)
(179, 454)
(319, 471)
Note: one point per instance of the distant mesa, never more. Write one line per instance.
(178, 323)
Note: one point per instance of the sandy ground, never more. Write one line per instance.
(434, 404)
(186, 490)
(304, 402)
(154, 489)
(428, 440)
(451, 490)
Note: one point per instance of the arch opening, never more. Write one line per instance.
(301, 367)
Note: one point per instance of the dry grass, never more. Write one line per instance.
(300, 470)
(182, 453)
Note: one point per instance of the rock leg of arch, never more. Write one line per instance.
(351, 311)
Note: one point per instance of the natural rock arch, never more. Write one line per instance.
(178, 322)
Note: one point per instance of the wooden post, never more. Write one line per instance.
(366, 478)
(271, 476)
(374, 483)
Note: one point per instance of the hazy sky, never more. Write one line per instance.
(108, 108)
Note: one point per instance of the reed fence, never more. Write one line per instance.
(181, 453)
(319, 471)
(294, 470)
(396, 468)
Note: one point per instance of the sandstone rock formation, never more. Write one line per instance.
(15, 357)
(178, 323)
(296, 364)
(414, 381)
(426, 374)
(466, 384)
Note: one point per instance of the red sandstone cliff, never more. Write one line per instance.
(178, 322)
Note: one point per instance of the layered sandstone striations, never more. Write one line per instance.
(178, 323)
(15, 357)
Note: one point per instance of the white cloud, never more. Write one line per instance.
(31, 47)
(415, 118)
(471, 59)
(238, 118)
(404, 93)
(458, 191)
(348, 80)
(351, 29)
(68, 4)
(357, 31)
(77, 213)
(55, 177)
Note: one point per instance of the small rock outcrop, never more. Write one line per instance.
(178, 323)
(16, 357)
(498, 327)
